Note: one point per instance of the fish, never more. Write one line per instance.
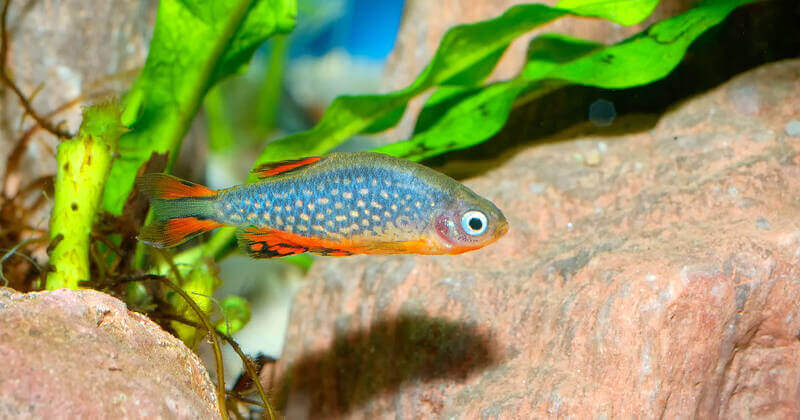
(339, 204)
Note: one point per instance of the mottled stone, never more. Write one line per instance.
(662, 282)
(64, 54)
(82, 354)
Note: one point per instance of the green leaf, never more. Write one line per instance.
(554, 61)
(475, 118)
(624, 12)
(548, 51)
(83, 165)
(221, 133)
(269, 95)
(649, 56)
(466, 55)
(195, 44)
(440, 102)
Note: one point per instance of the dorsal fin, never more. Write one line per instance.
(274, 168)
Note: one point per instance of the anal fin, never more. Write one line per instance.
(171, 232)
(267, 243)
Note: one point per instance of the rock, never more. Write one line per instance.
(793, 128)
(662, 282)
(65, 53)
(82, 354)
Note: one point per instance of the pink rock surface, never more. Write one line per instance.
(662, 279)
(82, 354)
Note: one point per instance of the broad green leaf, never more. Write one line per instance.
(648, 56)
(465, 56)
(624, 12)
(554, 61)
(387, 121)
(83, 165)
(456, 118)
(544, 53)
(472, 120)
(440, 102)
(195, 44)
(547, 52)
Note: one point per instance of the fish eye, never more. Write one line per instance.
(474, 222)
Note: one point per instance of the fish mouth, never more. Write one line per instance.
(502, 229)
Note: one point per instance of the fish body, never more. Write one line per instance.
(339, 204)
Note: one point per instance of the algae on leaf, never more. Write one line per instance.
(195, 44)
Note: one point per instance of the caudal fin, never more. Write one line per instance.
(168, 187)
(182, 210)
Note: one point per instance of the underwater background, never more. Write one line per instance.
(646, 155)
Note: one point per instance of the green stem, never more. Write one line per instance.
(215, 346)
(83, 165)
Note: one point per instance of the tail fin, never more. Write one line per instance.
(182, 210)
(168, 187)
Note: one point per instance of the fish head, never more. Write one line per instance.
(465, 223)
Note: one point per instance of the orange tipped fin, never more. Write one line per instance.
(175, 231)
(168, 187)
(274, 168)
(268, 243)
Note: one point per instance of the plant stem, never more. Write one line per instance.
(221, 394)
(83, 165)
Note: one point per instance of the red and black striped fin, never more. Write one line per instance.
(284, 166)
(168, 187)
(171, 232)
(267, 243)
